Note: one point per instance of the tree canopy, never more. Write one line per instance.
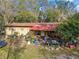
(69, 29)
(36, 10)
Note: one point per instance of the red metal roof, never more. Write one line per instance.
(35, 26)
(46, 27)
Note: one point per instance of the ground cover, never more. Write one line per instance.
(35, 52)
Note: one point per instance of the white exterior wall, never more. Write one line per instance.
(19, 30)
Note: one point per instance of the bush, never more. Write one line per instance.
(68, 29)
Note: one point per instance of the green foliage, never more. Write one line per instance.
(25, 16)
(68, 29)
(53, 15)
(21, 5)
(28, 11)
(75, 17)
(61, 11)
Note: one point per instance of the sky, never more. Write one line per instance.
(77, 4)
(75, 1)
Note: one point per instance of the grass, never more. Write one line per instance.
(33, 52)
(29, 52)
(3, 53)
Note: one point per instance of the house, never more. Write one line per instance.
(24, 28)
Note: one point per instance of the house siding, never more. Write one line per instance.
(19, 30)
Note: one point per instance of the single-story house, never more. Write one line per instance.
(24, 28)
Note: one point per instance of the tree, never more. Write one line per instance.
(69, 29)
(61, 11)
(25, 11)
(25, 16)
(7, 10)
(29, 11)
(35, 11)
(75, 17)
(53, 15)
